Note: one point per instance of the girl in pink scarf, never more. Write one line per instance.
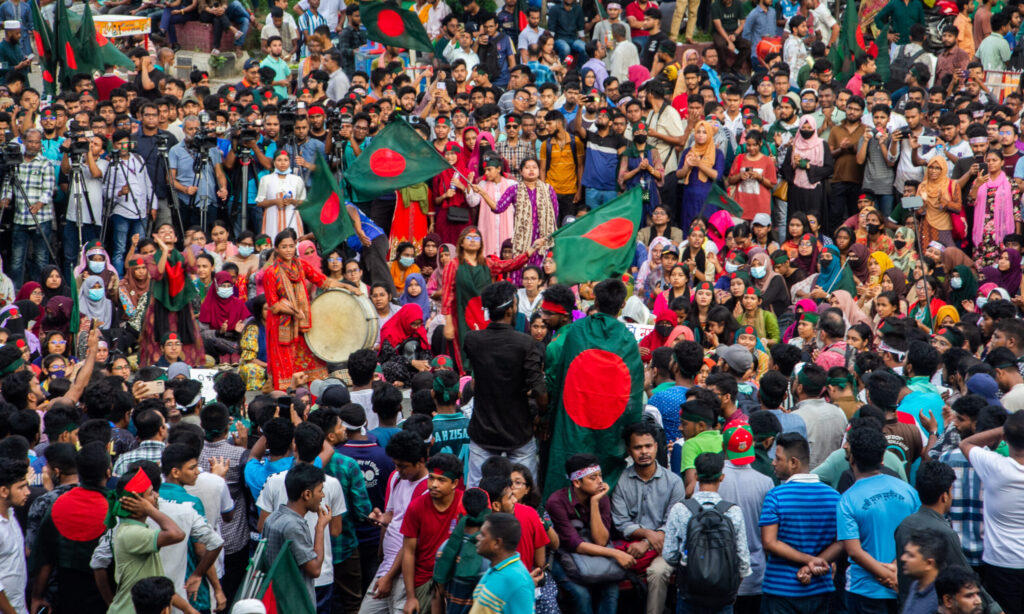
(992, 221)
(811, 149)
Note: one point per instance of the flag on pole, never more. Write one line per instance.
(286, 589)
(600, 244)
(842, 54)
(389, 24)
(720, 199)
(43, 42)
(323, 212)
(95, 50)
(66, 41)
(397, 157)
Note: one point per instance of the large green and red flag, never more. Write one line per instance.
(66, 49)
(397, 157)
(597, 388)
(95, 51)
(719, 198)
(600, 244)
(42, 39)
(850, 43)
(389, 24)
(323, 212)
(285, 588)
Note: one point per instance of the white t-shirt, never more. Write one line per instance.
(1014, 399)
(1003, 516)
(212, 490)
(175, 556)
(362, 397)
(13, 574)
(398, 503)
(274, 495)
(276, 219)
(823, 22)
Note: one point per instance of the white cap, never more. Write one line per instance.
(248, 606)
(762, 219)
(12, 24)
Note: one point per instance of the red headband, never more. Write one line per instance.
(553, 308)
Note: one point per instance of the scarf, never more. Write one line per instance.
(884, 262)
(313, 260)
(216, 311)
(422, 260)
(100, 310)
(290, 283)
(953, 257)
(834, 276)
(706, 152)
(131, 287)
(851, 311)
(813, 149)
(173, 292)
(1002, 211)
(860, 267)
(25, 292)
(968, 290)
(522, 235)
(57, 314)
(416, 193)
(422, 299)
(942, 312)
(61, 290)
(653, 340)
(904, 259)
(760, 257)
(398, 328)
(1009, 279)
(932, 190)
(95, 248)
(807, 264)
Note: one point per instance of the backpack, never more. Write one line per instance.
(900, 66)
(712, 563)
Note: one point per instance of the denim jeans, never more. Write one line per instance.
(122, 229)
(594, 198)
(564, 48)
(323, 598)
(593, 599)
(524, 455)
(884, 204)
(169, 21)
(90, 232)
(24, 234)
(240, 17)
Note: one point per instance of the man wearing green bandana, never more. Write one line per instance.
(697, 422)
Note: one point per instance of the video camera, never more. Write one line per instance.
(11, 154)
(77, 142)
(288, 114)
(245, 131)
(163, 141)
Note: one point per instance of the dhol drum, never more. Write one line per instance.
(342, 323)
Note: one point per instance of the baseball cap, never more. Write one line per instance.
(736, 356)
(762, 219)
(318, 387)
(251, 63)
(738, 442)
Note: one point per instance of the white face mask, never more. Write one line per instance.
(225, 292)
(758, 272)
(956, 283)
(731, 268)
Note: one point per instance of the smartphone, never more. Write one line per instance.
(926, 140)
(285, 405)
(156, 387)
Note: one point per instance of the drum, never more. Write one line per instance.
(342, 323)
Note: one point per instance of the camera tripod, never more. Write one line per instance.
(18, 192)
(117, 164)
(200, 167)
(245, 159)
(78, 192)
(172, 193)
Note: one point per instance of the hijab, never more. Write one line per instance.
(933, 190)
(1010, 279)
(760, 257)
(807, 264)
(835, 276)
(953, 257)
(398, 328)
(653, 340)
(100, 310)
(942, 312)
(62, 290)
(899, 281)
(216, 311)
(859, 268)
(131, 287)
(95, 248)
(884, 261)
(707, 152)
(650, 266)
(968, 291)
(904, 259)
(813, 149)
(638, 74)
(636, 311)
(466, 154)
(25, 292)
(422, 300)
(425, 261)
(313, 260)
(57, 314)
(851, 311)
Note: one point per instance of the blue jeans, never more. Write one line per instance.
(323, 598)
(564, 48)
(594, 198)
(24, 234)
(884, 202)
(594, 599)
(525, 454)
(169, 21)
(123, 228)
(90, 232)
(239, 17)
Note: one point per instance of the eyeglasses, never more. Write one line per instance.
(334, 259)
(173, 344)
(473, 238)
(58, 343)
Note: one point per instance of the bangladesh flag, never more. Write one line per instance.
(389, 24)
(596, 383)
(323, 212)
(67, 52)
(285, 588)
(850, 42)
(720, 199)
(43, 42)
(397, 157)
(95, 51)
(600, 244)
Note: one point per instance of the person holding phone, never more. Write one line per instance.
(12, 56)
(993, 210)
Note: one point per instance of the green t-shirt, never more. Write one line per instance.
(281, 72)
(729, 15)
(136, 556)
(708, 441)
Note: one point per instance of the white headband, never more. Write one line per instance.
(582, 473)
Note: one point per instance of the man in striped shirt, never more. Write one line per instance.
(798, 532)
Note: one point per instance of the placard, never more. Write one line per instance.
(113, 26)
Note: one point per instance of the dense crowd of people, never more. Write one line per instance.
(801, 396)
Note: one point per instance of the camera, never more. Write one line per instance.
(11, 154)
(246, 131)
(163, 141)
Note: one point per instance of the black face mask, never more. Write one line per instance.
(873, 229)
(806, 133)
(663, 328)
(640, 139)
(899, 243)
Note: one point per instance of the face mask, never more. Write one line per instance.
(899, 243)
(664, 329)
(873, 229)
(981, 301)
(956, 283)
(245, 251)
(225, 292)
(406, 261)
(731, 268)
(758, 272)
(97, 267)
(55, 373)
(95, 294)
(807, 133)
(640, 139)
(280, 172)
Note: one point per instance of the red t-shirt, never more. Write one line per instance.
(430, 528)
(633, 10)
(533, 534)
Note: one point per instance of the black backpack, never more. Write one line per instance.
(900, 66)
(712, 564)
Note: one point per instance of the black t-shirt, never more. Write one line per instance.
(155, 76)
(729, 15)
(651, 48)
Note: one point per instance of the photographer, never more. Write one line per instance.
(91, 201)
(262, 148)
(197, 191)
(303, 150)
(128, 187)
(148, 142)
(318, 127)
(33, 213)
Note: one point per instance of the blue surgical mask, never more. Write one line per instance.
(731, 268)
(758, 271)
(245, 250)
(981, 301)
(96, 294)
(225, 292)
(97, 266)
(956, 283)
(282, 173)
(55, 373)
(406, 261)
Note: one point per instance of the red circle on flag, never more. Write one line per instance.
(47, 76)
(329, 212)
(597, 388)
(390, 23)
(387, 163)
(69, 54)
(40, 50)
(612, 234)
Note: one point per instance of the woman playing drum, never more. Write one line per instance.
(289, 317)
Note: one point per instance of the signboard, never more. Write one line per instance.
(206, 377)
(113, 26)
(639, 330)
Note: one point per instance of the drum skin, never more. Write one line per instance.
(342, 323)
